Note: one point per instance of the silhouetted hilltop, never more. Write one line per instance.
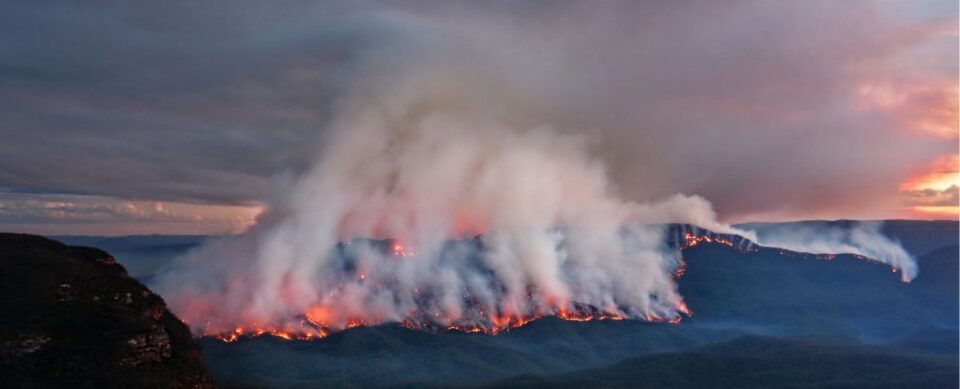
(74, 318)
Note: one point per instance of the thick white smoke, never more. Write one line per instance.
(554, 232)
(434, 141)
(863, 239)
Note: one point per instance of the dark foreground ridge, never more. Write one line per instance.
(74, 318)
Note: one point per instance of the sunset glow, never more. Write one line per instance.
(933, 194)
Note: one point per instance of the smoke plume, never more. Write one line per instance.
(863, 239)
(445, 192)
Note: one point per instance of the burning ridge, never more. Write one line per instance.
(318, 321)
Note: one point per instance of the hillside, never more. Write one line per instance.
(857, 310)
(764, 362)
(73, 318)
(842, 310)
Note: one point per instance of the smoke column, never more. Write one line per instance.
(435, 141)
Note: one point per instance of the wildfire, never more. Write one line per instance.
(319, 321)
(690, 239)
(312, 328)
(577, 316)
(254, 332)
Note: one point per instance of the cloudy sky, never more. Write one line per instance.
(184, 117)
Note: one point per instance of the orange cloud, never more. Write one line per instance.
(935, 193)
(940, 175)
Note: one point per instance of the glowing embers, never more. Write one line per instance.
(302, 333)
(314, 324)
(496, 324)
(690, 240)
(684, 236)
(399, 249)
(578, 316)
(492, 326)
(306, 330)
(680, 270)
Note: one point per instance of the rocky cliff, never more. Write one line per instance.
(72, 317)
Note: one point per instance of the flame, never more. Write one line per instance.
(398, 249)
(314, 326)
(255, 332)
(690, 239)
(319, 315)
(577, 316)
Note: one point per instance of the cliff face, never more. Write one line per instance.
(71, 316)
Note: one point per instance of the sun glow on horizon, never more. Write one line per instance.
(935, 192)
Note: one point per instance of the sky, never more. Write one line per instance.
(186, 117)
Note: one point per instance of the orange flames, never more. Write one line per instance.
(690, 239)
(398, 249)
(314, 327)
(241, 332)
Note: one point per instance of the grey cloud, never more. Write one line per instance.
(51, 214)
(752, 105)
(195, 103)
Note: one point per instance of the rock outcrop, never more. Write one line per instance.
(72, 317)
